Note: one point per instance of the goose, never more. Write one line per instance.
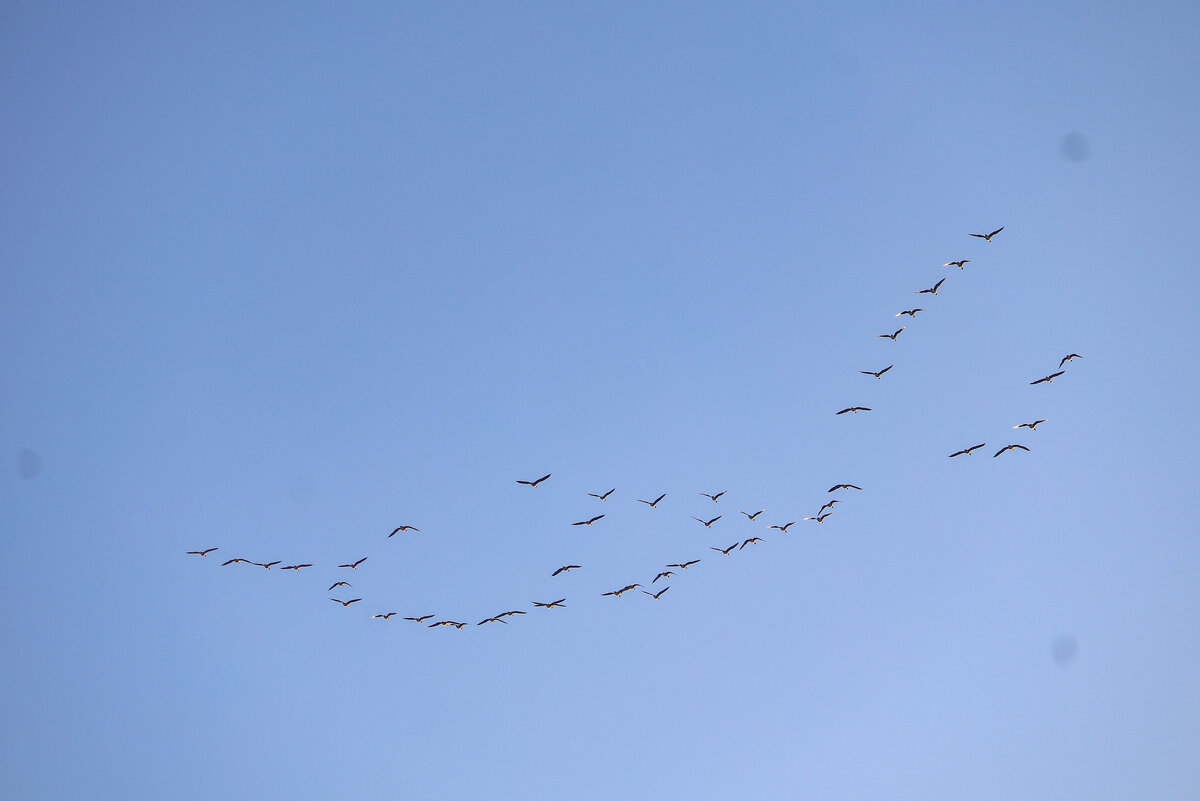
(685, 565)
(1008, 448)
(559, 603)
(892, 336)
(752, 516)
(751, 541)
(654, 503)
(855, 409)
(988, 237)
(657, 595)
(534, 483)
(909, 312)
(724, 551)
(346, 603)
(877, 374)
(1048, 379)
(837, 487)
(354, 565)
(587, 522)
(959, 264)
(603, 497)
(709, 523)
(205, 552)
(932, 290)
(785, 527)
(1031, 426)
(967, 451)
(713, 497)
(398, 529)
(565, 569)
(1070, 357)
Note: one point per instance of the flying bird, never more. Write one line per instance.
(820, 518)
(603, 497)
(294, 567)
(453, 623)
(492, 620)
(664, 574)
(751, 541)
(552, 604)
(205, 552)
(878, 374)
(709, 523)
(587, 522)
(959, 264)
(1008, 448)
(653, 503)
(346, 603)
(988, 237)
(420, 619)
(620, 592)
(967, 451)
(534, 483)
(398, 529)
(932, 290)
(723, 550)
(388, 616)
(828, 505)
(685, 565)
(1048, 379)
(339, 584)
(1070, 357)
(785, 527)
(837, 487)
(713, 497)
(909, 312)
(235, 562)
(752, 516)
(564, 569)
(892, 336)
(513, 612)
(267, 565)
(854, 409)
(657, 595)
(1031, 426)
(354, 565)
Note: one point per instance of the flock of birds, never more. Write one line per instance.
(667, 572)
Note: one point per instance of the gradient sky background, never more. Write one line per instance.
(280, 281)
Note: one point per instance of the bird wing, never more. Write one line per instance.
(998, 230)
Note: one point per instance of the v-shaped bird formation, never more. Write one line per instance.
(653, 573)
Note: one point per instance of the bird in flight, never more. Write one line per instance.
(713, 497)
(1070, 357)
(828, 505)
(664, 574)
(346, 603)
(854, 409)
(837, 487)
(909, 312)
(267, 565)
(892, 336)
(1008, 448)
(235, 562)
(1048, 379)
(552, 604)
(932, 290)
(877, 374)
(709, 523)
(1031, 426)
(564, 569)
(354, 565)
(751, 541)
(294, 567)
(388, 616)
(620, 592)
(820, 518)
(420, 619)
(534, 483)
(725, 551)
(785, 527)
(492, 620)
(587, 522)
(339, 584)
(752, 516)
(988, 237)
(657, 595)
(398, 529)
(603, 497)
(959, 264)
(653, 503)
(453, 623)
(205, 552)
(513, 612)
(967, 451)
(685, 565)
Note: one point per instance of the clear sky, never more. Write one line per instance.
(277, 281)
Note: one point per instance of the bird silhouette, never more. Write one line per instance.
(513, 612)
(492, 620)
(620, 592)
(603, 497)
(564, 569)
(713, 497)
(236, 562)
(652, 504)
(1048, 379)
(657, 595)
(205, 552)
(388, 616)
(785, 527)
(297, 568)
(892, 336)
(724, 551)
(752, 516)
(559, 603)
(988, 237)
(959, 264)
(828, 505)
(877, 374)
(837, 487)
(967, 451)
(1008, 448)
(1070, 357)
(587, 522)
(346, 603)
(420, 619)
(267, 565)
(339, 584)
(855, 409)
(534, 483)
(909, 312)
(932, 290)
(751, 541)
(820, 518)
(398, 529)
(709, 523)
(685, 565)
(664, 574)
(354, 565)
(1031, 426)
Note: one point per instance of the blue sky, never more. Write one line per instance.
(277, 282)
